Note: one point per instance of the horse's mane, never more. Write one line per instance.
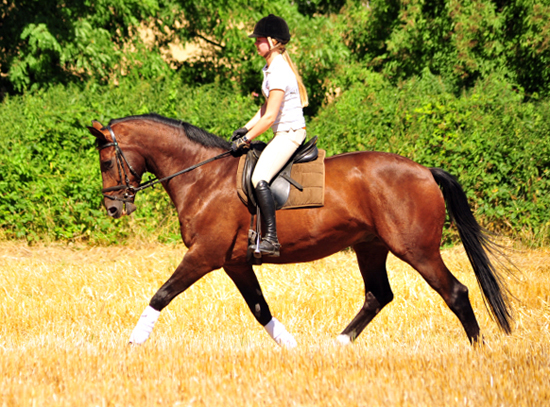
(194, 133)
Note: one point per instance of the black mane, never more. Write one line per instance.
(194, 133)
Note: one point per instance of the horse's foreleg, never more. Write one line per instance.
(185, 275)
(246, 281)
(371, 258)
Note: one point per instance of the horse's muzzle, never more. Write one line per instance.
(116, 209)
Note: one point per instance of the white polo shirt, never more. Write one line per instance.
(279, 75)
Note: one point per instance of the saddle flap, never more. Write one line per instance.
(296, 186)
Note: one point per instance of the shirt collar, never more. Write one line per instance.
(268, 69)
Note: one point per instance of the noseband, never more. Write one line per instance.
(129, 190)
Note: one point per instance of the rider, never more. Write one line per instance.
(285, 96)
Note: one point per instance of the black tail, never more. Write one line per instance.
(477, 245)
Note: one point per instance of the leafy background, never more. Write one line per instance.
(461, 85)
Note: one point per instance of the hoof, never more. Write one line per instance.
(287, 342)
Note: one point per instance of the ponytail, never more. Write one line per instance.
(301, 88)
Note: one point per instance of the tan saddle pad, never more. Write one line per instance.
(310, 175)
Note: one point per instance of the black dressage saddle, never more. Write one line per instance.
(280, 185)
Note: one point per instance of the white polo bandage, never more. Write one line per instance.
(279, 333)
(144, 326)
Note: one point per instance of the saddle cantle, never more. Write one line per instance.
(309, 171)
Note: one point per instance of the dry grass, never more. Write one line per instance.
(66, 314)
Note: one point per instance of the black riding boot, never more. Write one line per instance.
(270, 244)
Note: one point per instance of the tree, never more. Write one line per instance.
(462, 41)
(45, 42)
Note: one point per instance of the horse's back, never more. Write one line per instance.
(376, 161)
(379, 173)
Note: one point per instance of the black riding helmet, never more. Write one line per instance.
(272, 26)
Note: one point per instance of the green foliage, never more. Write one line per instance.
(48, 42)
(313, 7)
(44, 43)
(462, 41)
(527, 45)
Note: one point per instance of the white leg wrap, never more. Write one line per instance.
(144, 326)
(343, 339)
(279, 333)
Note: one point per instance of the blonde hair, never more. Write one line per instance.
(282, 49)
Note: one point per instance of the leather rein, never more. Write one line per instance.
(129, 190)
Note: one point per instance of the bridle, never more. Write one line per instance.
(129, 190)
(120, 161)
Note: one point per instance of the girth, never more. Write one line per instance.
(280, 185)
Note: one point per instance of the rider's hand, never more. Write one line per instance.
(239, 144)
(237, 134)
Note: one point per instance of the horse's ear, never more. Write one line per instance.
(97, 125)
(96, 130)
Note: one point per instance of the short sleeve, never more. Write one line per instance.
(277, 80)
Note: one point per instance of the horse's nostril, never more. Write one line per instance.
(112, 210)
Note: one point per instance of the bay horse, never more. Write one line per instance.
(375, 203)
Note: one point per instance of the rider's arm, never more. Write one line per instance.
(256, 117)
(266, 116)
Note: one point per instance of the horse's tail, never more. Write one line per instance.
(477, 245)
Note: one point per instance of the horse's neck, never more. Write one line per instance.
(167, 152)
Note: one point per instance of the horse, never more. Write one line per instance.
(375, 203)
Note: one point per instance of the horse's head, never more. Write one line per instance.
(121, 171)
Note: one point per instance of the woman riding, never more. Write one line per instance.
(285, 96)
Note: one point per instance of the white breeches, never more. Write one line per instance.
(276, 154)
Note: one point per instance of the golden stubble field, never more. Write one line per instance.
(66, 314)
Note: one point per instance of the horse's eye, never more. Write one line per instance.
(106, 165)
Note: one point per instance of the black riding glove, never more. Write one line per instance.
(239, 144)
(237, 134)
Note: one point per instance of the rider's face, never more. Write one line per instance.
(262, 46)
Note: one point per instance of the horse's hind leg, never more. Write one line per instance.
(454, 293)
(246, 281)
(371, 258)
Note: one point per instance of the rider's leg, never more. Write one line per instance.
(271, 161)
(270, 243)
(276, 154)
